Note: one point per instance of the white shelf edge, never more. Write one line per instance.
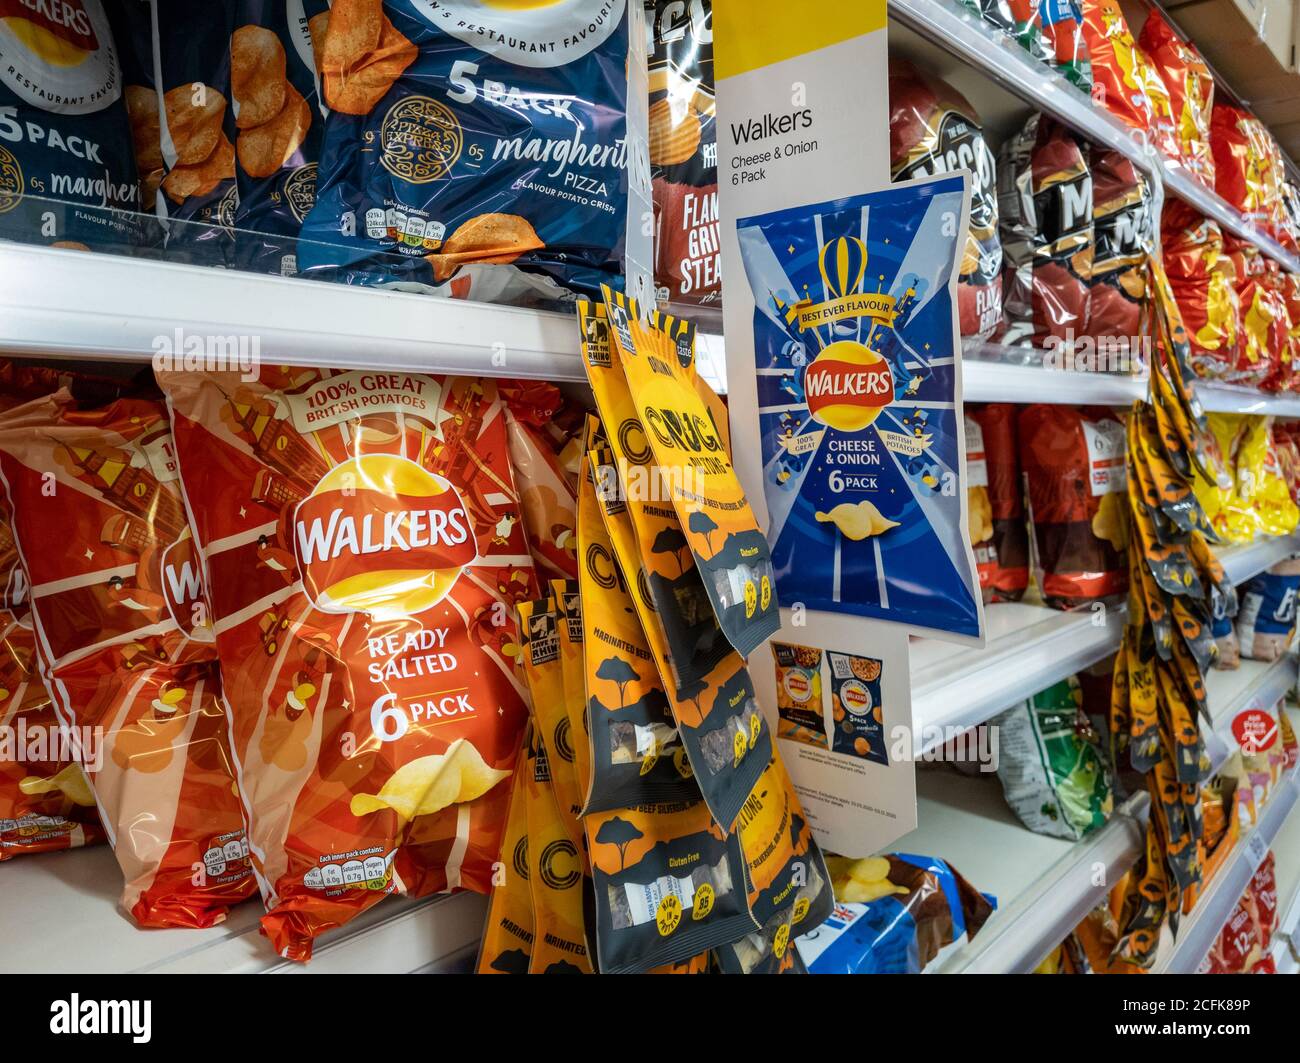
(121, 306)
(1043, 916)
(1197, 931)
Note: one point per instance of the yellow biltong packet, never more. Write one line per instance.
(669, 884)
(717, 716)
(539, 635)
(507, 944)
(730, 550)
(696, 641)
(789, 885)
(555, 876)
(636, 752)
(568, 603)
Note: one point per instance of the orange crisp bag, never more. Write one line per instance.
(124, 637)
(362, 534)
(508, 935)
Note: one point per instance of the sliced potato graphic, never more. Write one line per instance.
(857, 520)
(430, 784)
(70, 781)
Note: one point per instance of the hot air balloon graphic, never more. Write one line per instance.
(843, 263)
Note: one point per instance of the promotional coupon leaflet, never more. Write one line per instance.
(856, 353)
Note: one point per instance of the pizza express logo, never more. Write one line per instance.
(11, 181)
(847, 386)
(300, 190)
(382, 535)
(421, 140)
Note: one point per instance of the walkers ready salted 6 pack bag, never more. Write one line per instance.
(465, 135)
(856, 353)
(363, 533)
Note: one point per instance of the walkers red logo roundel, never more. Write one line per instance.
(382, 535)
(847, 386)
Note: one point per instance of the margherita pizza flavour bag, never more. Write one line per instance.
(124, 638)
(355, 527)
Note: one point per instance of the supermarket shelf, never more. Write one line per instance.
(69, 920)
(998, 381)
(1044, 886)
(1198, 931)
(59, 303)
(953, 28)
(1030, 647)
(1255, 685)
(1286, 854)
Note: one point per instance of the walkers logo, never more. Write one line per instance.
(59, 55)
(182, 583)
(847, 386)
(379, 534)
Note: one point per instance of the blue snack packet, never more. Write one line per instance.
(192, 74)
(1266, 618)
(67, 171)
(463, 135)
(859, 404)
(280, 124)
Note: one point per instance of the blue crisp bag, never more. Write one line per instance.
(922, 905)
(67, 172)
(1266, 617)
(279, 126)
(465, 135)
(859, 399)
(197, 125)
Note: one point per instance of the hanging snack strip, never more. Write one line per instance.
(1159, 680)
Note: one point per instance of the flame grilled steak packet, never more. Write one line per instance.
(364, 608)
(695, 640)
(508, 936)
(669, 883)
(465, 134)
(1123, 230)
(1075, 472)
(555, 873)
(1008, 563)
(637, 755)
(718, 718)
(789, 885)
(856, 350)
(279, 124)
(933, 130)
(539, 639)
(124, 637)
(200, 194)
(684, 153)
(1045, 201)
(568, 608)
(45, 800)
(731, 553)
(67, 172)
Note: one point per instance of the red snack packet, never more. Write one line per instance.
(1261, 898)
(932, 130)
(1282, 356)
(1122, 225)
(364, 580)
(1191, 93)
(1239, 944)
(1075, 473)
(45, 801)
(125, 641)
(1263, 325)
(1241, 165)
(1045, 200)
(1008, 563)
(1204, 282)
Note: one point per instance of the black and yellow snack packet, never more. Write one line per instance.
(568, 605)
(669, 884)
(555, 875)
(635, 749)
(857, 714)
(730, 550)
(789, 885)
(539, 636)
(507, 945)
(717, 715)
(695, 640)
